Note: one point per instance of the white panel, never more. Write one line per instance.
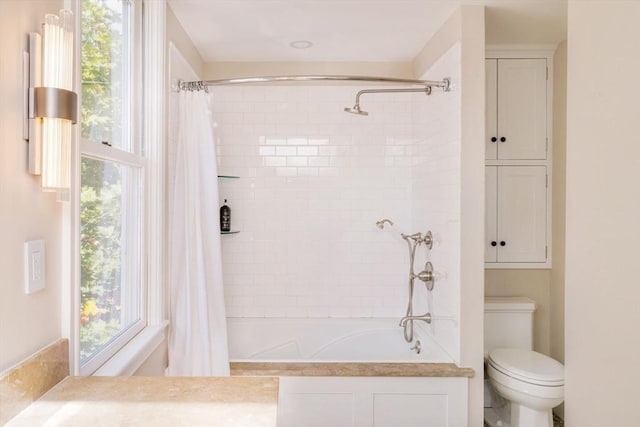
(379, 402)
(522, 213)
(522, 108)
(491, 108)
(316, 410)
(491, 214)
(409, 410)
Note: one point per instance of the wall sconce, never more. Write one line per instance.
(50, 105)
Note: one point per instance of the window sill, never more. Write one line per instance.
(127, 361)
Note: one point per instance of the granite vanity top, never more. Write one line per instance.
(155, 401)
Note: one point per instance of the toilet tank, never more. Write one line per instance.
(508, 322)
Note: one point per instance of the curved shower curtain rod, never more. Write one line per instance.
(444, 83)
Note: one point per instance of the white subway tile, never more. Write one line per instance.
(286, 151)
(315, 180)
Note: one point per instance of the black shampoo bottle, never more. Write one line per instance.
(225, 217)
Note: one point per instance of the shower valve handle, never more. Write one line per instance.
(427, 275)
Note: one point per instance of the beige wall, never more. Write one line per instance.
(556, 291)
(226, 70)
(27, 322)
(602, 342)
(177, 36)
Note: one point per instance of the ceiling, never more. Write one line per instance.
(351, 30)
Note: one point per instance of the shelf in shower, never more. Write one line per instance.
(230, 232)
(228, 177)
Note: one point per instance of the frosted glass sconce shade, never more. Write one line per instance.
(50, 104)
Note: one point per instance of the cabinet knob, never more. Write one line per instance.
(503, 139)
(494, 243)
(494, 139)
(503, 243)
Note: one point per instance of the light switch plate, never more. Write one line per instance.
(34, 261)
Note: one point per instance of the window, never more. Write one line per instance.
(112, 173)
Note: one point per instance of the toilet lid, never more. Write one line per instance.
(528, 366)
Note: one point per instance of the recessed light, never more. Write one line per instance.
(301, 44)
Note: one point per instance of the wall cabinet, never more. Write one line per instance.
(516, 214)
(518, 158)
(516, 109)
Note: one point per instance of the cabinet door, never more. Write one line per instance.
(522, 109)
(521, 213)
(491, 214)
(491, 109)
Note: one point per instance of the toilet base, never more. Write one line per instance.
(522, 416)
(493, 417)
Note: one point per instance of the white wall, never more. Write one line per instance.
(314, 180)
(27, 322)
(603, 210)
(472, 203)
(267, 266)
(436, 196)
(466, 26)
(227, 70)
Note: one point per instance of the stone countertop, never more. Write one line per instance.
(155, 401)
(344, 369)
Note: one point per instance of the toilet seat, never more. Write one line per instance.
(527, 366)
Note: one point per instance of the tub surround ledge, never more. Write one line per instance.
(343, 369)
(151, 401)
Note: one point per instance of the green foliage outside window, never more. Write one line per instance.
(101, 68)
(100, 204)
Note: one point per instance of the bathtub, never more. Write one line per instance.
(338, 340)
(351, 372)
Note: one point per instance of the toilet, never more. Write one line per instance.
(527, 384)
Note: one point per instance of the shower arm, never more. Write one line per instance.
(426, 90)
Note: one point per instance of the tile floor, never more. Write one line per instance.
(557, 421)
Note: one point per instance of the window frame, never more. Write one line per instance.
(144, 120)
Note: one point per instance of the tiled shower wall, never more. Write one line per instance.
(313, 182)
(435, 201)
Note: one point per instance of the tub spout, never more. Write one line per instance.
(425, 317)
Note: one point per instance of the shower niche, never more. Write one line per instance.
(226, 177)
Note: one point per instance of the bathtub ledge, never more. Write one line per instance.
(351, 369)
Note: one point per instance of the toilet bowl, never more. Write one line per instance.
(532, 382)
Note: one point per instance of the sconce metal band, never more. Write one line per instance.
(54, 103)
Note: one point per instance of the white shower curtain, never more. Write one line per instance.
(198, 330)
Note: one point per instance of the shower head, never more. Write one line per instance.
(356, 110)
